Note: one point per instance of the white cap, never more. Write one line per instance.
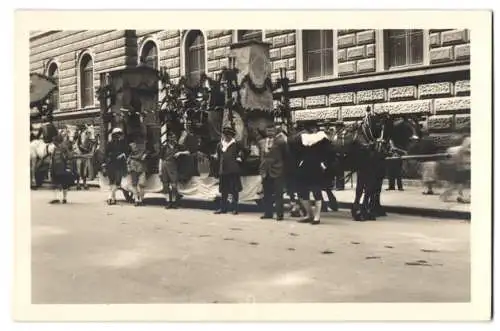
(116, 130)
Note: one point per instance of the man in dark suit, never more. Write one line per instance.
(273, 151)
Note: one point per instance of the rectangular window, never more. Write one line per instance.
(404, 48)
(318, 53)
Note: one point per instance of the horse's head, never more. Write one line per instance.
(406, 132)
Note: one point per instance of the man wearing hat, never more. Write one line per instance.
(115, 162)
(229, 154)
(274, 154)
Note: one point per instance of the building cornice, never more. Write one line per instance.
(377, 77)
(38, 34)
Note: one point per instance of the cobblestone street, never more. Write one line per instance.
(88, 252)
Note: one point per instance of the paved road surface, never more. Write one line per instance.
(88, 252)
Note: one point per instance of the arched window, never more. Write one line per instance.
(53, 73)
(244, 35)
(195, 55)
(318, 53)
(403, 47)
(86, 81)
(149, 55)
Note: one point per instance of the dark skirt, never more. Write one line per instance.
(230, 183)
(312, 177)
(116, 173)
(63, 180)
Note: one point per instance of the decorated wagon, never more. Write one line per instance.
(196, 109)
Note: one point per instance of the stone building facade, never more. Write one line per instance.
(335, 74)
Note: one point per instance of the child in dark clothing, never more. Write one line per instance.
(60, 171)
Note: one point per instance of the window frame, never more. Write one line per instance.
(381, 44)
(51, 64)
(299, 58)
(81, 88)
(144, 46)
(185, 52)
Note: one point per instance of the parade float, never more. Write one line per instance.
(145, 101)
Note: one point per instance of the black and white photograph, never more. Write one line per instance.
(260, 166)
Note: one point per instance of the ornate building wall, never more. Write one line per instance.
(439, 86)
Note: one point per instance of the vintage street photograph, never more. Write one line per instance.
(250, 166)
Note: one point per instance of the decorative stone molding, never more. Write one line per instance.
(316, 101)
(452, 104)
(296, 103)
(462, 122)
(341, 98)
(371, 96)
(317, 114)
(405, 107)
(353, 111)
(435, 89)
(462, 87)
(402, 92)
(440, 122)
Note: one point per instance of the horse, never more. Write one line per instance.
(362, 148)
(403, 134)
(40, 153)
(84, 148)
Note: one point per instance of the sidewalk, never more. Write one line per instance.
(409, 202)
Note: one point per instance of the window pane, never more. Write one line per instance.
(318, 53)
(404, 47)
(312, 64)
(312, 40)
(327, 61)
(195, 56)
(397, 51)
(416, 41)
(54, 73)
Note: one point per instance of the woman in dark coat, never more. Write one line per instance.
(313, 159)
(229, 155)
(115, 162)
